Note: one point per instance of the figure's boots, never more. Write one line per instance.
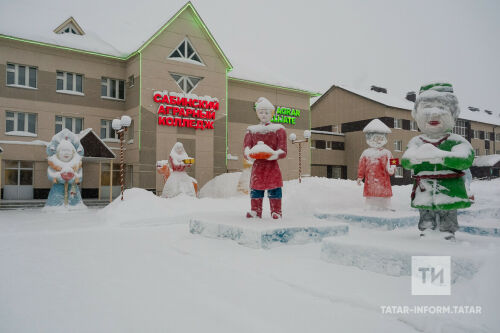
(275, 208)
(256, 208)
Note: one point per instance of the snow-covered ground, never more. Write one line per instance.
(134, 267)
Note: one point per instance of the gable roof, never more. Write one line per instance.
(136, 29)
(402, 103)
(382, 98)
(72, 21)
(93, 146)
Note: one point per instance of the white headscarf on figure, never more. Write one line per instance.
(436, 102)
(178, 153)
(376, 133)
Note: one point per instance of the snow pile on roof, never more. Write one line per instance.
(376, 126)
(260, 74)
(480, 116)
(136, 24)
(382, 98)
(483, 116)
(486, 160)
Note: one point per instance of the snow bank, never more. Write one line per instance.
(390, 252)
(222, 186)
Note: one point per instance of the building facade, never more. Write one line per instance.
(339, 116)
(176, 86)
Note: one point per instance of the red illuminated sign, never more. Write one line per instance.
(185, 110)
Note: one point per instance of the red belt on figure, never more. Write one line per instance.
(417, 183)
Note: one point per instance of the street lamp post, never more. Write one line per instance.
(120, 126)
(293, 138)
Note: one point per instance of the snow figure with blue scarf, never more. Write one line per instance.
(65, 170)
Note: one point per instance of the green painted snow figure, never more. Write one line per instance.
(438, 158)
(65, 154)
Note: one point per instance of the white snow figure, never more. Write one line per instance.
(65, 170)
(178, 181)
(438, 159)
(374, 166)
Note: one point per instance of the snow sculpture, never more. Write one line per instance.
(174, 173)
(374, 167)
(244, 181)
(437, 158)
(65, 170)
(263, 145)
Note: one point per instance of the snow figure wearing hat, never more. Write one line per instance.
(374, 166)
(263, 145)
(437, 158)
(65, 170)
(177, 179)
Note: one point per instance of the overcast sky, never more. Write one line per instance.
(396, 44)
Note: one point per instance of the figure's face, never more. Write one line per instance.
(179, 149)
(434, 118)
(264, 115)
(65, 154)
(376, 140)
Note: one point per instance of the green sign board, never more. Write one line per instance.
(285, 115)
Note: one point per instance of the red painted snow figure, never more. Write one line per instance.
(374, 166)
(267, 143)
(177, 181)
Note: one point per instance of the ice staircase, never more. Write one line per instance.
(265, 233)
(390, 252)
(471, 221)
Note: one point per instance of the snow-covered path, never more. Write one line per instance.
(88, 272)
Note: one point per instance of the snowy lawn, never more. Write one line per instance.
(134, 267)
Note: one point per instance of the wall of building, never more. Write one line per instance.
(206, 146)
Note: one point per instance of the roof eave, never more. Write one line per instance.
(310, 93)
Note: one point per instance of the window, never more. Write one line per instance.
(107, 131)
(20, 123)
(475, 134)
(313, 144)
(112, 88)
(69, 29)
(413, 125)
(399, 172)
(75, 125)
(186, 52)
(329, 145)
(486, 151)
(186, 83)
(398, 123)
(398, 145)
(69, 83)
(460, 128)
(497, 137)
(21, 76)
(476, 152)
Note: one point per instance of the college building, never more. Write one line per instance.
(175, 82)
(339, 116)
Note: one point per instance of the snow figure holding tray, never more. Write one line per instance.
(264, 144)
(437, 159)
(65, 170)
(374, 166)
(177, 180)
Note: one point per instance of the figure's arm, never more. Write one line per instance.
(406, 159)
(391, 169)
(247, 145)
(361, 169)
(281, 151)
(460, 157)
